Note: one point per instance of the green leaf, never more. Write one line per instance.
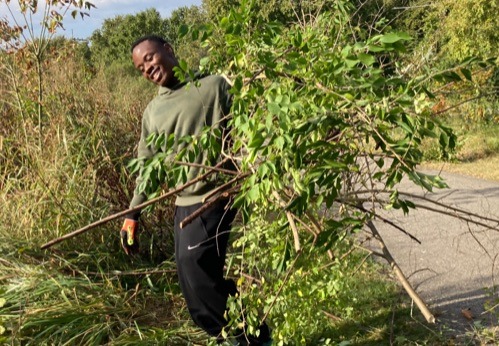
(395, 37)
(407, 128)
(253, 194)
(351, 62)
(366, 59)
(376, 49)
(467, 74)
(224, 23)
(451, 76)
(183, 65)
(256, 141)
(380, 162)
(183, 30)
(204, 61)
(274, 108)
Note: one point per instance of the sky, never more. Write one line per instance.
(81, 29)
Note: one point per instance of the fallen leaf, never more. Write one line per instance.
(467, 313)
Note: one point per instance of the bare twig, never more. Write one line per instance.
(457, 216)
(449, 207)
(391, 223)
(225, 186)
(131, 210)
(296, 237)
(207, 205)
(426, 199)
(133, 273)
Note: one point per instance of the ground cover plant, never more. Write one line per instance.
(324, 124)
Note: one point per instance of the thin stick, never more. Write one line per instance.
(133, 273)
(296, 237)
(199, 211)
(197, 165)
(426, 199)
(225, 186)
(457, 216)
(188, 219)
(391, 223)
(292, 223)
(430, 318)
(131, 210)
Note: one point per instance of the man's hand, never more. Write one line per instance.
(129, 235)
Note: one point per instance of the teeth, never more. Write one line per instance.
(154, 74)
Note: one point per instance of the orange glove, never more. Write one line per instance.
(129, 235)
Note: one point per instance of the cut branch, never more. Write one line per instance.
(131, 210)
(226, 186)
(296, 237)
(388, 222)
(207, 205)
(468, 215)
(430, 318)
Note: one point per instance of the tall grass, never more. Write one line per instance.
(78, 175)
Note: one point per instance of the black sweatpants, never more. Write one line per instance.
(200, 249)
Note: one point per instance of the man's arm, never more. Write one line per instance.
(130, 229)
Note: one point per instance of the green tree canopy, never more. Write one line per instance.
(187, 49)
(284, 11)
(453, 29)
(111, 43)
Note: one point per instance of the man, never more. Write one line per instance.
(200, 246)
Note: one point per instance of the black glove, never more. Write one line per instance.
(129, 235)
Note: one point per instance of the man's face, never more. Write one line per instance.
(155, 61)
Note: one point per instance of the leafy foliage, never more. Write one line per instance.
(112, 42)
(454, 29)
(325, 123)
(322, 131)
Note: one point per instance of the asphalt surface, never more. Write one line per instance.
(456, 266)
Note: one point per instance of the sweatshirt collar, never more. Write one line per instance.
(166, 90)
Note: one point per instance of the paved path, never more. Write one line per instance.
(456, 262)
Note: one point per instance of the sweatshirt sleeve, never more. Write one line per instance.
(144, 152)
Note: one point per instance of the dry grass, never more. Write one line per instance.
(477, 150)
(484, 168)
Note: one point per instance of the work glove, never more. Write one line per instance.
(129, 235)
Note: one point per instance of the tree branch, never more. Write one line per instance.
(131, 210)
(430, 318)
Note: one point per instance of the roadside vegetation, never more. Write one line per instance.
(477, 153)
(69, 121)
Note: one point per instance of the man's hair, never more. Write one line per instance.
(153, 38)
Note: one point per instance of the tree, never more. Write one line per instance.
(454, 30)
(287, 11)
(186, 48)
(322, 137)
(111, 43)
(469, 28)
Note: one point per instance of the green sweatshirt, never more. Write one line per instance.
(184, 110)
